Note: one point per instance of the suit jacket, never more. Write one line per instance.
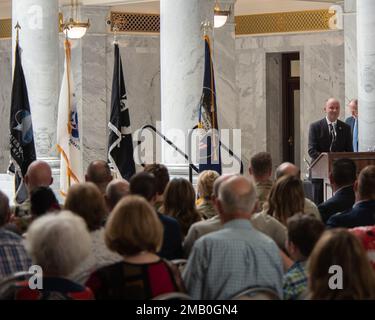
(342, 200)
(172, 240)
(350, 121)
(362, 214)
(320, 141)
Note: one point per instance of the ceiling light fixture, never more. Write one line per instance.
(220, 16)
(74, 29)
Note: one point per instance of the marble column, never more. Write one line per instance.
(39, 42)
(366, 73)
(181, 63)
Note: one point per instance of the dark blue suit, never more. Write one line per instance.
(362, 214)
(320, 141)
(342, 200)
(350, 121)
(172, 240)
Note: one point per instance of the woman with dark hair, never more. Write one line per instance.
(179, 203)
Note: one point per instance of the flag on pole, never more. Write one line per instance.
(209, 147)
(120, 144)
(22, 148)
(68, 135)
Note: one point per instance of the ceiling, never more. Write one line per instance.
(242, 7)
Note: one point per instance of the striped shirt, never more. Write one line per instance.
(230, 260)
(13, 256)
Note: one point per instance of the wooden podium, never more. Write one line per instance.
(321, 167)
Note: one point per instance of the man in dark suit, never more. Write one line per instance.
(329, 134)
(352, 121)
(342, 178)
(363, 212)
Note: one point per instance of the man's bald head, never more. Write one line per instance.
(39, 174)
(218, 183)
(116, 190)
(237, 198)
(4, 209)
(99, 173)
(287, 169)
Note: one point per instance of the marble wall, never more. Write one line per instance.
(322, 76)
(5, 99)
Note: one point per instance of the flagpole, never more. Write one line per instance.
(17, 27)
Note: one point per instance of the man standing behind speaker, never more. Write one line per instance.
(329, 134)
(352, 121)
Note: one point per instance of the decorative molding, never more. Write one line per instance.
(5, 28)
(135, 22)
(312, 20)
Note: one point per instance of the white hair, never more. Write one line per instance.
(58, 242)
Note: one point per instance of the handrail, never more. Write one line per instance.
(191, 166)
(231, 153)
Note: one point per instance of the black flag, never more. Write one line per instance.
(120, 145)
(22, 148)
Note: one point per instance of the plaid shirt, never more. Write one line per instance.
(295, 281)
(13, 256)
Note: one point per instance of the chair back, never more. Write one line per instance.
(7, 284)
(172, 296)
(179, 263)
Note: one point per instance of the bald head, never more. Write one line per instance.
(99, 173)
(116, 190)
(287, 169)
(332, 109)
(237, 198)
(218, 182)
(39, 174)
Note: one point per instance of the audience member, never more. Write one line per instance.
(135, 232)
(57, 243)
(303, 233)
(342, 180)
(363, 212)
(287, 168)
(205, 185)
(179, 203)
(219, 266)
(99, 173)
(261, 170)
(355, 279)
(115, 191)
(86, 201)
(43, 200)
(144, 184)
(13, 256)
(367, 237)
(161, 174)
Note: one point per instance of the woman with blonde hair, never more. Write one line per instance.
(179, 203)
(205, 185)
(135, 232)
(286, 198)
(340, 248)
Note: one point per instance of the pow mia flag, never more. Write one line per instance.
(120, 145)
(22, 148)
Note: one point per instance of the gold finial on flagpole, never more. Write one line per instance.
(17, 27)
(205, 27)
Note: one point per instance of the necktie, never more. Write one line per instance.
(331, 135)
(355, 135)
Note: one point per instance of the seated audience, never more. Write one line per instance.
(135, 232)
(43, 200)
(303, 232)
(367, 237)
(290, 169)
(286, 198)
(219, 265)
(13, 256)
(161, 175)
(86, 201)
(261, 170)
(356, 280)
(57, 243)
(99, 173)
(205, 185)
(363, 212)
(115, 191)
(342, 180)
(144, 184)
(179, 203)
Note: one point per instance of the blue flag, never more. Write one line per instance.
(209, 147)
(22, 148)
